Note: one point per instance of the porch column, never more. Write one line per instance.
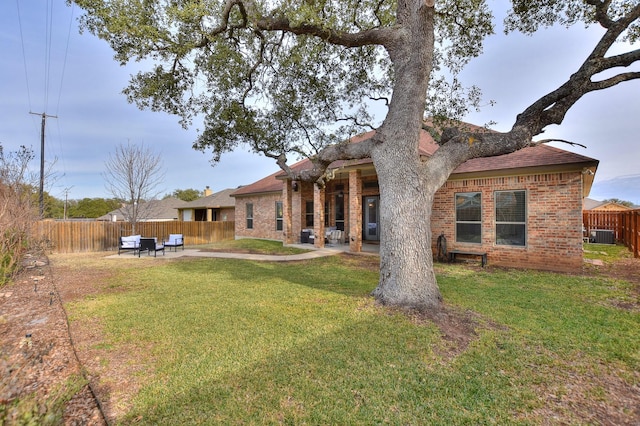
(209, 215)
(355, 211)
(287, 232)
(318, 216)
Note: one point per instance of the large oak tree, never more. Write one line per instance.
(298, 77)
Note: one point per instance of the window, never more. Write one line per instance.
(309, 214)
(279, 216)
(511, 212)
(249, 216)
(469, 217)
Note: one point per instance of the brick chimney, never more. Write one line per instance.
(207, 191)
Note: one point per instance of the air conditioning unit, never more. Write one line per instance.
(602, 236)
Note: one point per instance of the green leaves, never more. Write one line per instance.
(271, 89)
(290, 76)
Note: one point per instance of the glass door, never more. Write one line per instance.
(372, 218)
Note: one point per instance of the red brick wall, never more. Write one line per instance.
(227, 214)
(264, 216)
(554, 220)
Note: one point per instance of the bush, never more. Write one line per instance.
(16, 211)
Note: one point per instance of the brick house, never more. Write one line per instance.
(523, 208)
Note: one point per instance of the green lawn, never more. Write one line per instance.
(239, 342)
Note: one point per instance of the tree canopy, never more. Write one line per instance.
(295, 77)
(92, 207)
(185, 194)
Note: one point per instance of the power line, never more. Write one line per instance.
(66, 52)
(47, 51)
(24, 55)
(47, 69)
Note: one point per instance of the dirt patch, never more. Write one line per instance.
(45, 361)
(37, 361)
(458, 328)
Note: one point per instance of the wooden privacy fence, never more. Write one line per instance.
(79, 237)
(631, 231)
(624, 224)
(610, 221)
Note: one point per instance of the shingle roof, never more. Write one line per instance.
(214, 201)
(165, 209)
(533, 156)
(536, 156)
(267, 184)
(590, 203)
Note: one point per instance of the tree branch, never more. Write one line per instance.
(552, 108)
(543, 141)
(610, 82)
(249, 13)
(380, 36)
(318, 173)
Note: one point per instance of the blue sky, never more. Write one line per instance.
(49, 67)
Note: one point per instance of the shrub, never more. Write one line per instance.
(16, 211)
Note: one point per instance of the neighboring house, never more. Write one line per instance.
(151, 211)
(607, 206)
(216, 207)
(523, 209)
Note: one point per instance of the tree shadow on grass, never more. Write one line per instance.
(373, 370)
(344, 274)
(357, 276)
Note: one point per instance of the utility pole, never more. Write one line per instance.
(66, 197)
(41, 192)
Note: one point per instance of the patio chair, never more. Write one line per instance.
(150, 245)
(132, 242)
(335, 237)
(175, 241)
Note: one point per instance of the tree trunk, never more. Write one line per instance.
(407, 277)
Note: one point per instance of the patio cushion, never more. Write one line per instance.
(174, 239)
(132, 241)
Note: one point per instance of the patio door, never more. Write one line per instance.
(371, 218)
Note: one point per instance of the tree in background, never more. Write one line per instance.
(53, 207)
(134, 174)
(619, 201)
(300, 78)
(186, 194)
(92, 207)
(17, 209)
